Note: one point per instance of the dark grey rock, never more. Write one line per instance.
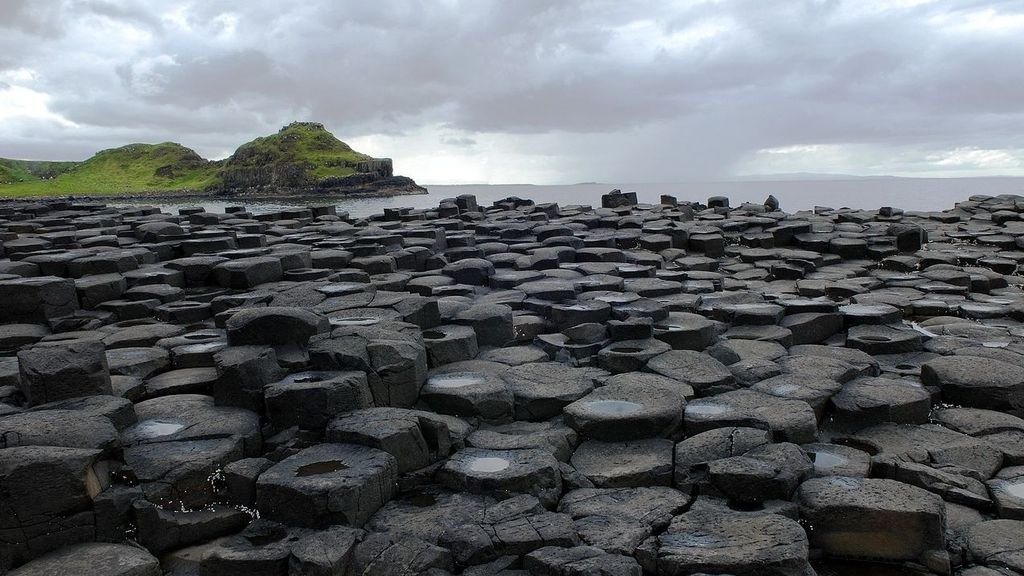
(632, 411)
(93, 558)
(701, 371)
(60, 371)
(733, 544)
(327, 484)
(310, 400)
(48, 496)
(414, 439)
(977, 382)
(503, 473)
(542, 389)
(871, 518)
(37, 299)
(789, 420)
(625, 464)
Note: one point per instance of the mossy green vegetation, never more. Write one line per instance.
(14, 171)
(300, 143)
(305, 151)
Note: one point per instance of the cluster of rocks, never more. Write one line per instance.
(519, 389)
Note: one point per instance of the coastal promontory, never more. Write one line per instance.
(303, 158)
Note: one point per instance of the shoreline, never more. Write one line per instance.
(214, 196)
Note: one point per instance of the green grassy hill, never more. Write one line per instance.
(299, 155)
(14, 171)
(300, 143)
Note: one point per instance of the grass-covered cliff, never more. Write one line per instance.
(301, 157)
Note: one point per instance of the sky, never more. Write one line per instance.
(531, 91)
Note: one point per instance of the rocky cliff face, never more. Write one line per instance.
(375, 176)
(304, 157)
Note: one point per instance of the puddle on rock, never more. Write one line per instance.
(921, 329)
(154, 429)
(355, 321)
(204, 346)
(615, 299)
(706, 409)
(455, 380)
(341, 288)
(996, 344)
(1015, 489)
(317, 468)
(828, 460)
(488, 464)
(785, 389)
(614, 407)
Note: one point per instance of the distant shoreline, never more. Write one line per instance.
(187, 195)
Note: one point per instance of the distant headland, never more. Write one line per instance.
(303, 158)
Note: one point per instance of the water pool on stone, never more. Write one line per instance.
(784, 389)
(614, 407)
(305, 377)
(203, 346)
(355, 321)
(706, 409)
(488, 464)
(1015, 489)
(318, 468)
(828, 460)
(610, 299)
(201, 336)
(456, 380)
(342, 288)
(155, 428)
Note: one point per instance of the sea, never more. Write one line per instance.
(918, 194)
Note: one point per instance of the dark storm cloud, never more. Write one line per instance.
(620, 90)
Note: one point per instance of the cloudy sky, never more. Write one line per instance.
(532, 91)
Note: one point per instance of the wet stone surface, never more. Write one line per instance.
(521, 388)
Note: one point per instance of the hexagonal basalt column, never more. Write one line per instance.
(327, 484)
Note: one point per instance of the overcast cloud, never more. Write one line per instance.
(530, 90)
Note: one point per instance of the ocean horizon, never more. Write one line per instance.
(917, 194)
